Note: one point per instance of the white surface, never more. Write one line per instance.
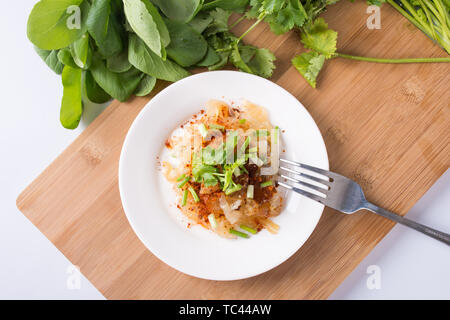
(196, 251)
(412, 266)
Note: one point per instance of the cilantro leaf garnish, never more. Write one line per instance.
(319, 38)
(309, 64)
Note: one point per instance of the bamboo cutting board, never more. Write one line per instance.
(386, 126)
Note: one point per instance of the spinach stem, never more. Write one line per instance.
(381, 60)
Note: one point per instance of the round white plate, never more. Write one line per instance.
(149, 201)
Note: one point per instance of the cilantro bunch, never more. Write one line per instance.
(431, 16)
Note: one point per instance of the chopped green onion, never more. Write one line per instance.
(202, 130)
(242, 121)
(182, 183)
(275, 136)
(250, 190)
(248, 229)
(238, 233)
(237, 172)
(194, 194)
(232, 189)
(266, 184)
(253, 150)
(184, 200)
(181, 177)
(216, 126)
(212, 220)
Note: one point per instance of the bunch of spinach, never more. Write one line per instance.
(116, 48)
(121, 47)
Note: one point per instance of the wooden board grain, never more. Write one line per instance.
(386, 126)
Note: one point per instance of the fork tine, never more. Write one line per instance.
(322, 190)
(319, 180)
(303, 192)
(310, 168)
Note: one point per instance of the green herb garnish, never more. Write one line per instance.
(183, 182)
(217, 127)
(194, 194)
(238, 233)
(248, 229)
(266, 184)
(184, 200)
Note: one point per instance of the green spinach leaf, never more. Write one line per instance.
(71, 105)
(65, 57)
(50, 58)
(179, 10)
(201, 21)
(119, 62)
(144, 23)
(187, 46)
(211, 58)
(93, 91)
(142, 58)
(56, 24)
(233, 5)
(145, 86)
(118, 85)
(103, 26)
(81, 52)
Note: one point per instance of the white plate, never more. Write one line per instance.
(148, 200)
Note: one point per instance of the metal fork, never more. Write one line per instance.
(343, 194)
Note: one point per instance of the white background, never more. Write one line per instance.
(412, 265)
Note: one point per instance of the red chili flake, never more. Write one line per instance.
(167, 143)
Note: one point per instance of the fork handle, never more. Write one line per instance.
(439, 235)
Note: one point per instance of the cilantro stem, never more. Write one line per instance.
(260, 18)
(381, 60)
(234, 24)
